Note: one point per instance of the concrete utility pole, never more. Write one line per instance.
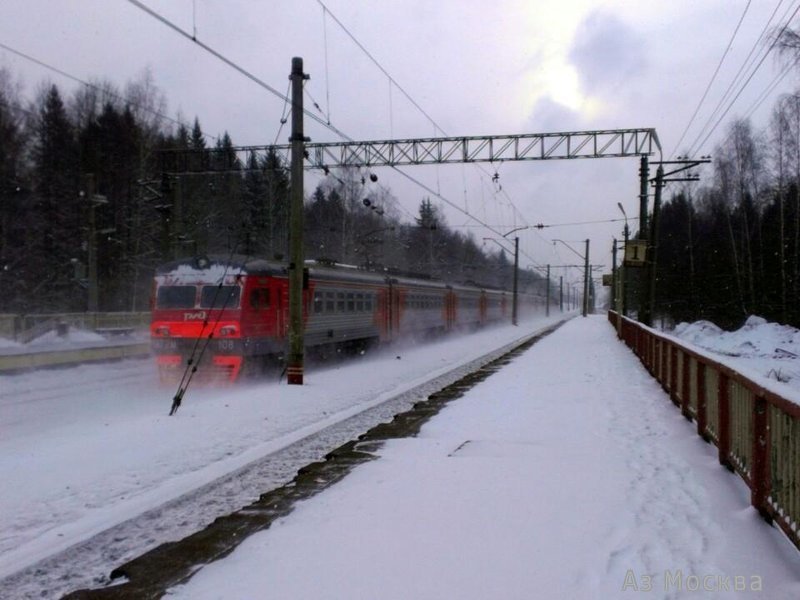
(586, 275)
(644, 174)
(294, 366)
(652, 258)
(561, 293)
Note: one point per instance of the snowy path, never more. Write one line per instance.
(568, 474)
(87, 448)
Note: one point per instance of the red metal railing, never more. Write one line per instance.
(756, 431)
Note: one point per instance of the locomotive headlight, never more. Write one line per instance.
(163, 331)
(227, 330)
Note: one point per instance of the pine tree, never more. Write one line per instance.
(55, 221)
(14, 192)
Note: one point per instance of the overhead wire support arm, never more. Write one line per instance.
(679, 166)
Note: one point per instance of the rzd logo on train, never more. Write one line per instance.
(195, 316)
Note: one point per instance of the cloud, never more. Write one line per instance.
(550, 115)
(606, 52)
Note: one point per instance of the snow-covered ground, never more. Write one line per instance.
(84, 448)
(72, 339)
(568, 474)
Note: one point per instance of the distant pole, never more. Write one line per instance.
(547, 293)
(177, 217)
(561, 293)
(91, 247)
(586, 275)
(294, 366)
(625, 274)
(614, 277)
(516, 270)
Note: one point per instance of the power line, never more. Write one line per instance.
(747, 65)
(543, 226)
(713, 77)
(377, 64)
(63, 73)
(744, 85)
(275, 92)
(234, 66)
(391, 79)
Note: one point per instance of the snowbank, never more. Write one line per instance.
(769, 350)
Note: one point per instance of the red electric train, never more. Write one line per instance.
(239, 307)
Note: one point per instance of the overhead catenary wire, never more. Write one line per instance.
(744, 85)
(284, 115)
(713, 78)
(393, 81)
(219, 56)
(327, 71)
(745, 65)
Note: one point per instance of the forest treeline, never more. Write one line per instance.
(89, 165)
(730, 247)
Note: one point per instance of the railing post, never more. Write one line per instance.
(701, 401)
(673, 374)
(760, 477)
(664, 359)
(724, 421)
(686, 388)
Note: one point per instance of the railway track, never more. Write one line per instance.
(89, 563)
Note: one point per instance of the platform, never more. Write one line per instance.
(567, 474)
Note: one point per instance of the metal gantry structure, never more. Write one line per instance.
(611, 143)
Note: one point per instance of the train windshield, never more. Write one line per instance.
(175, 296)
(214, 296)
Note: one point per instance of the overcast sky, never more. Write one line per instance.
(475, 67)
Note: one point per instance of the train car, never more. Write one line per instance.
(230, 314)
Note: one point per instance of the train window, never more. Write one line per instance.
(319, 304)
(175, 296)
(368, 302)
(351, 302)
(340, 305)
(259, 298)
(214, 296)
(330, 302)
(360, 302)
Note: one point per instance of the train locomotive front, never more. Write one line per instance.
(220, 314)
